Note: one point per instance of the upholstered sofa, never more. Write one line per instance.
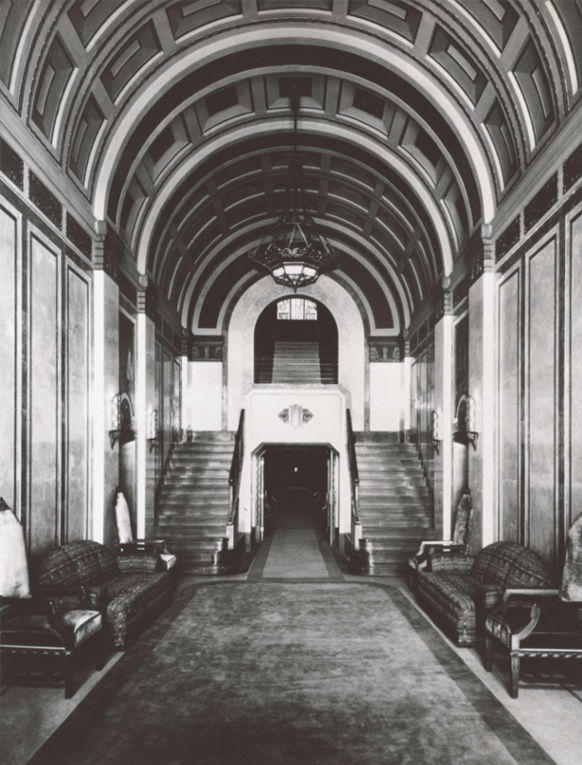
(458, 590)
(129, 590)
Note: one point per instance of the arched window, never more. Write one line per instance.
(297, 309)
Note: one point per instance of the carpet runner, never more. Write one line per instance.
(265, 672)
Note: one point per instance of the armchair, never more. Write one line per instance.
(128, 544)
(540, 623)
(39, 622)
(458, 544)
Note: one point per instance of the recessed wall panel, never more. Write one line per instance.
(541, 398)
(43, 401)
(8, 255)
(575, 380)
(77, 395)
(509, 409)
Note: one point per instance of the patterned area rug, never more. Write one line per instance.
(267, 672)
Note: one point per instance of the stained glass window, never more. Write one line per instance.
(297, 309)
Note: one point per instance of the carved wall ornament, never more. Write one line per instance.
(385, 349)
(295, 415)
(206, 348)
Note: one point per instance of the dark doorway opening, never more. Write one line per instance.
(296, 487)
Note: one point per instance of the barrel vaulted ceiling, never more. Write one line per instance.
(173, 120)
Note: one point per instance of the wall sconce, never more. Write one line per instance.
(436, 429)
(152, 436)
(115, 420)
(465, 424)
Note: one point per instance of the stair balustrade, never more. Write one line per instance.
(234, 483)
(356, 525)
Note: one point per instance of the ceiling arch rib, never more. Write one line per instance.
(390, 66)
(192, 209)
(386, 212)
(375, 112)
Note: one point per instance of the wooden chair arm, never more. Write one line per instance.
(433, 543)
(143, 546)
(528, 593)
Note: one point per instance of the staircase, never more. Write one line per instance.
(296, 362)
(194, 500)
(394, 503)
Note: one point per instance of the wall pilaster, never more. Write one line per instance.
(443, 410)
(105, 385)
(482, 390)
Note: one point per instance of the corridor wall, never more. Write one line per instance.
(539, 417)
(45, 395)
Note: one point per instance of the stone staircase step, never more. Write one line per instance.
(394, 502)
(194, 500)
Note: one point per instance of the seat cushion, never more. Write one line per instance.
(38, 630)
(450, 600)
(130, 594)
(454, 592)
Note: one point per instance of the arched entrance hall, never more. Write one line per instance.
(296, 342)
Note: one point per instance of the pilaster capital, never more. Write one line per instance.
(444, 306)
(107, 250)
(384, 349)
(483, 257)
(205, 347)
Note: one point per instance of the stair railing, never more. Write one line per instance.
(234, 481)
(355, 482)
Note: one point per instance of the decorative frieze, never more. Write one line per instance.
(45, 200)
(11, 164)
(206, 348)
(385, 349)
(78, 236)
(508, 238)
(573, 168)
(546, 198)
(460, 292)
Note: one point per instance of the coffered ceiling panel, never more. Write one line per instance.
(173, 120)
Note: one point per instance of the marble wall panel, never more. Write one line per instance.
(424, 405)
(153, 463)
(575, 378)
(509, 409)
(8, 324)
(541, 499)
(167, 392)
(77, 398)
(44, 520)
